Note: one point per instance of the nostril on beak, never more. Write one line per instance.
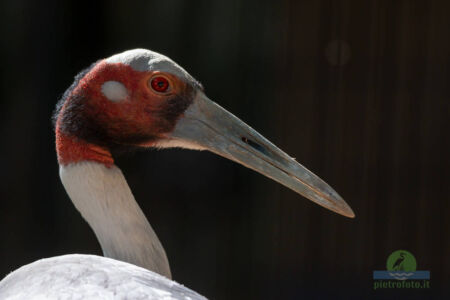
(254, 145)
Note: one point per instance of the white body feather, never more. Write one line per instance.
(89, 277)
(103, 197)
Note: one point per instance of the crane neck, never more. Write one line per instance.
(104, 199)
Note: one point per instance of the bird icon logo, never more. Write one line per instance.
(401, 260)
(398, 265)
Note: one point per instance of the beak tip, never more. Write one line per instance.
(346, 211)
(350, 214)
(334, 202)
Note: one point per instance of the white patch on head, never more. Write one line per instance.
(145, 60)
(114, 91)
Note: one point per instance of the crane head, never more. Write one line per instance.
(140, 98)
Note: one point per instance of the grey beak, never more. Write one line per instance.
(206, 125)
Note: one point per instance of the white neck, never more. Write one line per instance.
(105, 201)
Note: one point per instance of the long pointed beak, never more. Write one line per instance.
(206, 125)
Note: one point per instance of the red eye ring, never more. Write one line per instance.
(159, 84)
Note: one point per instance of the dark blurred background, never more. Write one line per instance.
(357, 91)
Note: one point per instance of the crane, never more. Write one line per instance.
(140, 98)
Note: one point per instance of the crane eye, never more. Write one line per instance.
(159, 84)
